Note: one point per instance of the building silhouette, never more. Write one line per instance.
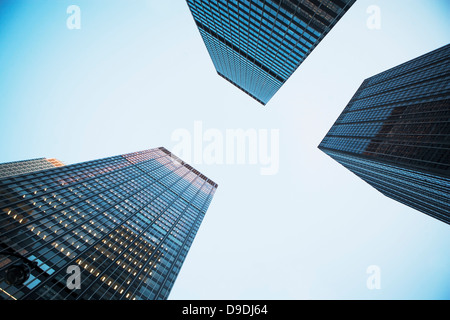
(257, 45)
(126, 222)
(395, 133)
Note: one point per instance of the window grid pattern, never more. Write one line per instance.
(26, 166)
(422, 191)
(127, 221)
(401, 117)
(257, 45)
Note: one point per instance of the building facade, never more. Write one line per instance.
(257, 45)
(21, 167)
(395, 133)
(125, 223)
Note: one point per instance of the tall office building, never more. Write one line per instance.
(126, 222)
(257, 45)
(27, 166)
(395, 133)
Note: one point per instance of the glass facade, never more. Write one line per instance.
(395, 133)
(257, 45)
(26, 166)
(126, 222)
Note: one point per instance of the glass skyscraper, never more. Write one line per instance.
(395, 133)
(257, 45)
(126, 222)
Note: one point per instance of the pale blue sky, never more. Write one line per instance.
(138, 70)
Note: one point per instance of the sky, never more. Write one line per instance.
(136, 74)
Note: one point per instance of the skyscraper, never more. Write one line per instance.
(257, 45)
(395, 133)
(126, 222)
